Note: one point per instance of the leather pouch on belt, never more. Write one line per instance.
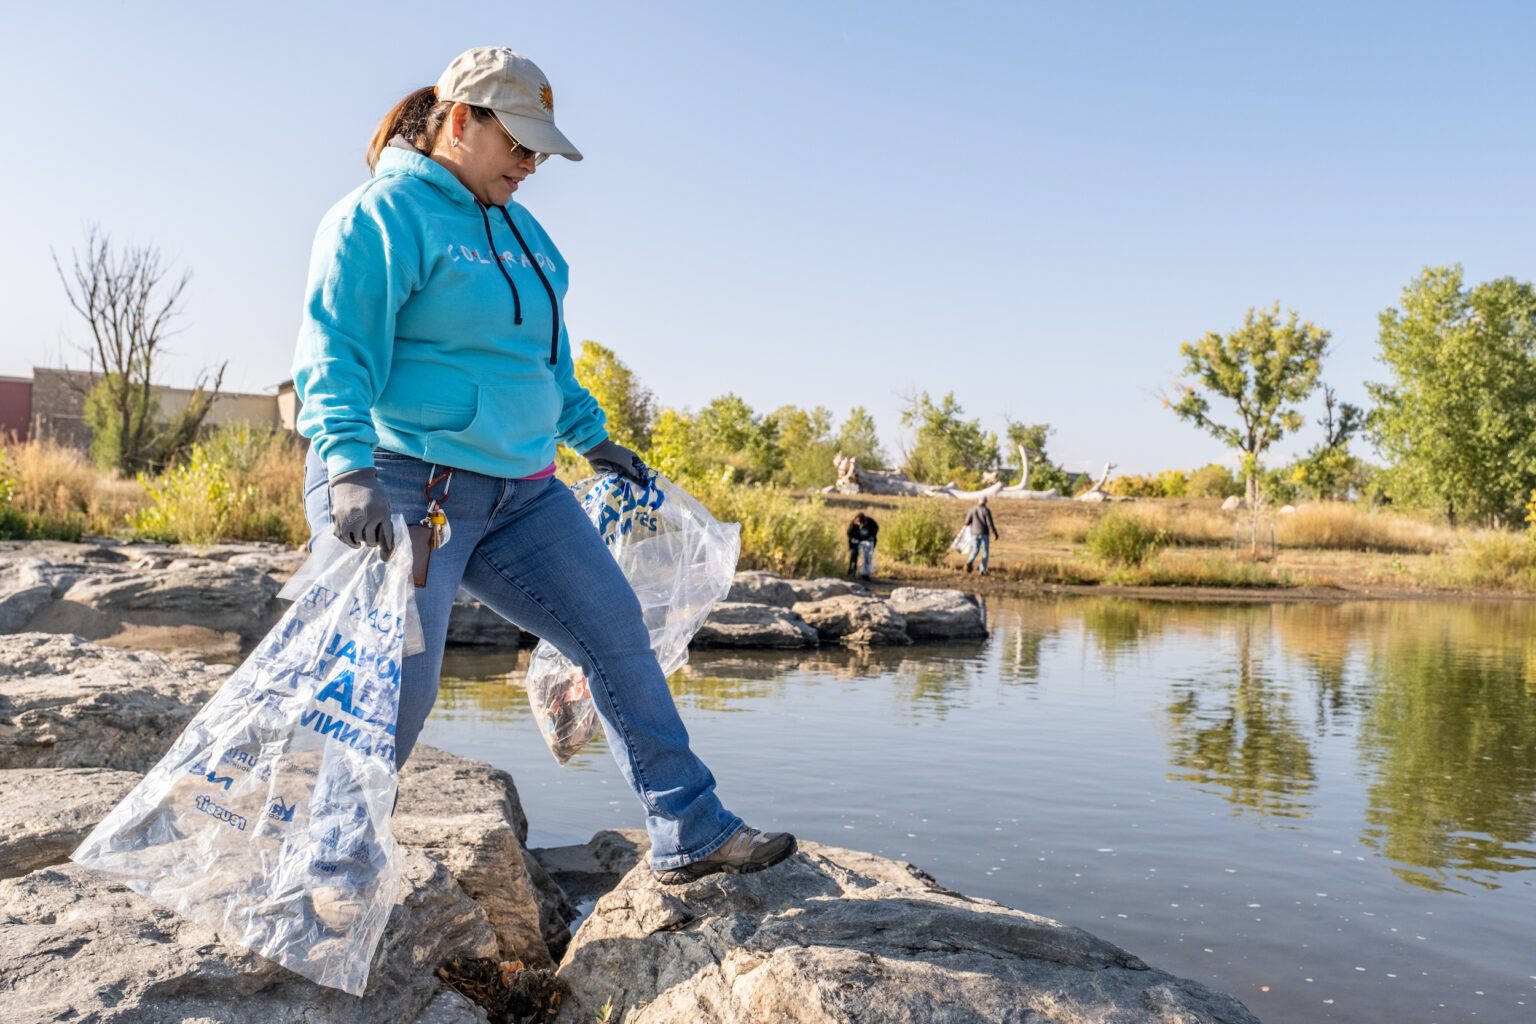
(421, 551)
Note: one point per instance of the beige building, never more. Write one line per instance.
(55, 406)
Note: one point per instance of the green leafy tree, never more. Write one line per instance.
(1043, 473)
(673, 449)
(1457, 420)
(805, 441)
(729, 433)
(858, 439)
(1264, 368)
(630, 406)
(946, 447)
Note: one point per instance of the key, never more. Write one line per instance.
(437, 522)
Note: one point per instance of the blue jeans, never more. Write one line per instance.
(526, 550)
(981, 544)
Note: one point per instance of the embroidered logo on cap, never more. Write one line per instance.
(547, 97)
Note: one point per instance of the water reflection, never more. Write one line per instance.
(1235, 734)
(1437, 701)
(1451, 741)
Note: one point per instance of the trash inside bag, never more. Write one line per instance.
(678, 558)
(963, 541)
(268, 820)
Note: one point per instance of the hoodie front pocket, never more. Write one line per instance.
(507, 416)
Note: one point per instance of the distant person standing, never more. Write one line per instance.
(979, 521)
(862, 530)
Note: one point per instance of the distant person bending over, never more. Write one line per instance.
(979, 521)
(861, 529)
(435, 371)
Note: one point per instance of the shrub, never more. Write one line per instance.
(1213, 481)
(1128, 486)
(240, 483)
(1121, 539)
(190, 503)
(265, 468)
(779, 533)
(918, 534)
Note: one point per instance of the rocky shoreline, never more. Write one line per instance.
(481, 928)
(219, 600)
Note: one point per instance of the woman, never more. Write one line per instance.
(435, 374)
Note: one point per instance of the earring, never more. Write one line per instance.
(453, 143)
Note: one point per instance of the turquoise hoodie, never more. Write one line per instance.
(433, 327)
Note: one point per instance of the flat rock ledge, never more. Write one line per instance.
(832, 936)
(217, 599)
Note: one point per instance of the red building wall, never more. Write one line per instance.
(15, 406)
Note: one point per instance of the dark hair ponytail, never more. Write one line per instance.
(419, 117)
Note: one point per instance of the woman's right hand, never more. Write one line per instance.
(360, 510)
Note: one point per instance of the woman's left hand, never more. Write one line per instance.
(611, 457)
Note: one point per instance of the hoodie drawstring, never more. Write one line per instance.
(554, 304)
(517, 300)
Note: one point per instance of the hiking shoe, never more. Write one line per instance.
(745, 852)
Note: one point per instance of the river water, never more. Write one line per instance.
(1326, 810)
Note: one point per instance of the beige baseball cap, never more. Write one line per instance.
(514, 88)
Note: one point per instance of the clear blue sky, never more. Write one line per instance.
(818, 203)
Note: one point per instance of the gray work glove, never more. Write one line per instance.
(360, 510)
(611, 457)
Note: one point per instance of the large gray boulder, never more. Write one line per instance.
(854, 620)
(67, 703)
(769, 588)
(466, 815)
(76, 945)
(209, 594)
(819, 588)
(754, 587)
(832, 935)
(739, 624)
(46, 812)
(939, 614)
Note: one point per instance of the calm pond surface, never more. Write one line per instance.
(1327, 810)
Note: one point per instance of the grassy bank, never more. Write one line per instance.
(246, 484)
(1321, 547)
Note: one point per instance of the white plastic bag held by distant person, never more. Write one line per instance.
(268, 820)
(678, 558)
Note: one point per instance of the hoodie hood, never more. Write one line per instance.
(402, 159)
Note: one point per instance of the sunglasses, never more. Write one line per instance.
(519, 151)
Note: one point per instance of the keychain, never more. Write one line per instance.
(437, 522)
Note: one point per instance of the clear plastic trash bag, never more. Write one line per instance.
(963, 541)
(678, 558)
(268, 820)
(866, 558)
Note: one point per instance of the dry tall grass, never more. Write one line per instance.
(1324, 525)
(1494, 558)
(1339, 526)
(58, 490)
